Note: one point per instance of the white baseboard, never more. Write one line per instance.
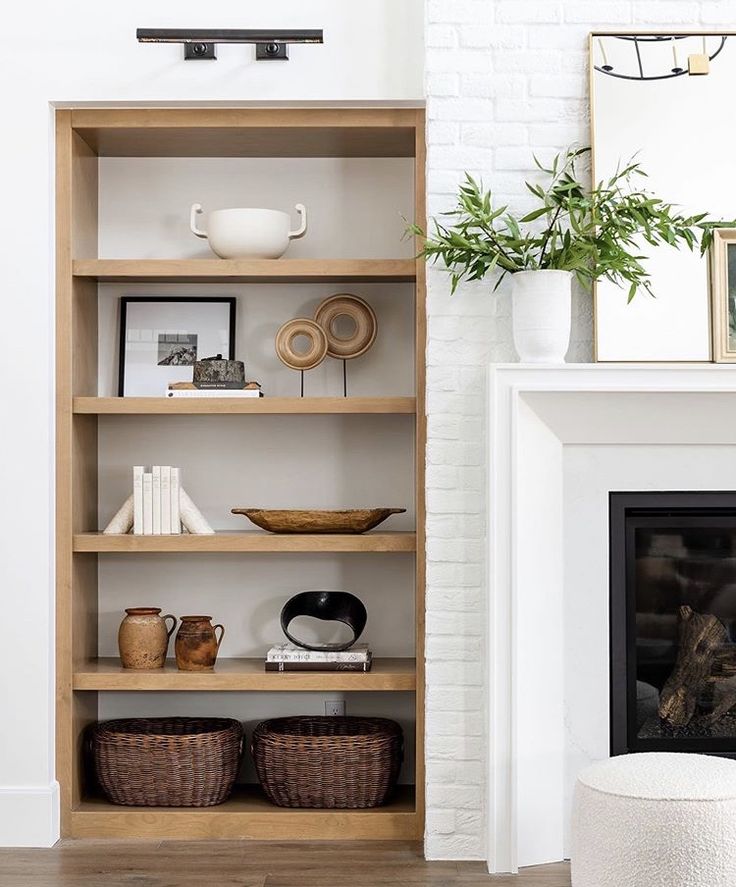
(29, 815)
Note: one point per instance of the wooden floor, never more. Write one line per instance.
(95, 863)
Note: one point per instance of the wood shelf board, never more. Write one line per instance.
(169, 406)
(247, 541)
(245, 675)
(248, 814)
(248, 132)
(247, 270)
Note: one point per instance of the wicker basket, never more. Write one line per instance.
(328, 762)
(167, 762)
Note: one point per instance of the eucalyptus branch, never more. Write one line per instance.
(549, 233)
(594, 232)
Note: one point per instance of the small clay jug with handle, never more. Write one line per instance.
(143, 637)
(197, 643)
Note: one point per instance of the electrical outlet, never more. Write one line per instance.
(335, 707)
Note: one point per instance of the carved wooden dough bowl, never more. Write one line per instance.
(354, 520)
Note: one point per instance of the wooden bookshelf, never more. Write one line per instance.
(222, 406)
(247, 541)
(83, 136)
(239, 271)
(245, 675)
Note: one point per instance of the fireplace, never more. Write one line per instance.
(673, 622)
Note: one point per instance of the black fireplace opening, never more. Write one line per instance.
(673, 622)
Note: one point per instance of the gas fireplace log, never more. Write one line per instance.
(725, 663)
(723, 680)
(724, 698)
(702, 638)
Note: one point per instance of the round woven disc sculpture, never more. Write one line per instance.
(364, 320)
(301, 360)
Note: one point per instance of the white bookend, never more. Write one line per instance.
(147, 503)
(175, 501)
(166, 499)
(123, 519)
(138, 499)
(192, 518)
(156, 474)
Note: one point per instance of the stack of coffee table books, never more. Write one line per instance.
(289, 657)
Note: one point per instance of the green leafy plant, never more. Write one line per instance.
(592, 232)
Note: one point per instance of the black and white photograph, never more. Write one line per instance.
(177, 349)
(161, 338)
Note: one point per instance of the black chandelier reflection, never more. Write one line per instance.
(640, 56)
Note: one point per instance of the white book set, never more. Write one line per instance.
(158, 506)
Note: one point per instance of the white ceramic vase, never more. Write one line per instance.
(542, 315)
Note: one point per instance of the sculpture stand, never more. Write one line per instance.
(344, 380)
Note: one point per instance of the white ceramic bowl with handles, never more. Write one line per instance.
(249, 233)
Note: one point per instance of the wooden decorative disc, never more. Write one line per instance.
(301, 360)
(362, 315)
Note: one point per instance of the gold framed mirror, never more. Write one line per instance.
(663, 98)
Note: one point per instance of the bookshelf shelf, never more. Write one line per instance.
(241, 271)
(89, 452)
(245, 675)
(248, 814)
(187, 406)
(246, 541)
(248, 132)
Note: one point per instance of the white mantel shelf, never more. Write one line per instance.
(568, 395)
(619, 376)
(535, 411)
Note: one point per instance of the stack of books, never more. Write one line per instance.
(189, 389)
(289, 657)
(156, 500)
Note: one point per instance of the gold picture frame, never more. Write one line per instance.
(723, 295)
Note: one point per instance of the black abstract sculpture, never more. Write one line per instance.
(329, 606)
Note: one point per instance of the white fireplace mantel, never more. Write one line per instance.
(535, 412)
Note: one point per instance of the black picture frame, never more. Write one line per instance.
(231, 301)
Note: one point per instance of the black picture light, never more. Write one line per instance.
(201, 43)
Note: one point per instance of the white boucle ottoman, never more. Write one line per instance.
(655, 820)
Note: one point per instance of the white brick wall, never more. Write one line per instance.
(504, 78)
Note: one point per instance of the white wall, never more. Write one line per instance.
(504, 78)
(86, 51)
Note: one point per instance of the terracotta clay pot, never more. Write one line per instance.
(143, 638)
(197, 644)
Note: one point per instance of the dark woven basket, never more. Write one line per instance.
(328, 762)
(167, 762)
